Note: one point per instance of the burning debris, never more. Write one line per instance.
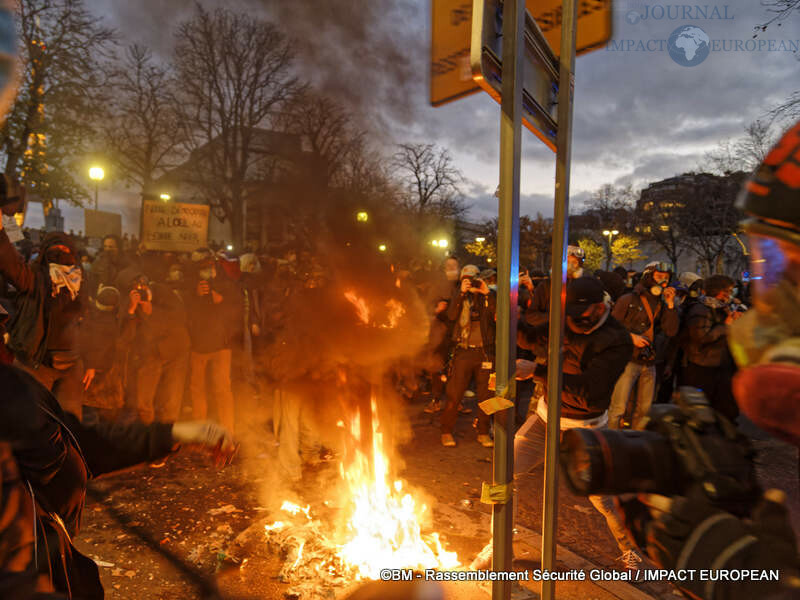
(382, 528)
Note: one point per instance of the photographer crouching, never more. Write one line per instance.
(699, 505)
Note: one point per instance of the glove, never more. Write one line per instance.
(210, 435)
(695, 534)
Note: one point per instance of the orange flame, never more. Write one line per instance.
(361, 306)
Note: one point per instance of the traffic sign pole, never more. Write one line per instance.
(507, 283)
(558, 281)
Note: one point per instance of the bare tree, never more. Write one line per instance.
(60, 99)
(233, 78)
(744, 153)
(432, 183)
(328, 130)
(143, 136)
(780, 10)
(709, 218)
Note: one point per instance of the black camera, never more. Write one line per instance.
(647, 353)
(684, 443)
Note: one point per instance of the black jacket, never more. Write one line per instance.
(592, 365)
(56, 456)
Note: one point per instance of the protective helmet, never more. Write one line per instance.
(771, 193)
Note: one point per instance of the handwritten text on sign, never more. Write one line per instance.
(174, 226)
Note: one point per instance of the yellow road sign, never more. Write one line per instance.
(451, 27)
(594, 23)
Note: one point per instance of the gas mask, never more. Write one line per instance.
(586, 324)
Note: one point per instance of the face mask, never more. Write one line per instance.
(587, 324)
(65, 276)
(735, 292)
(574, 272)
(656, 290)
(493, 287)
(207, 273)
(452, 274)
(694, 293)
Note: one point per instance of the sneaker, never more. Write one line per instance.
(631, 559)
(483, 560)
(448, 440)
(485, 441)
(432, 407)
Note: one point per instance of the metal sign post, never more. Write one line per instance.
(557, 297)
(507, 281)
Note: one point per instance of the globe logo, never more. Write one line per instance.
(633, 17)
(689, 45)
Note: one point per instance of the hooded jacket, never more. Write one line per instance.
(42, 322)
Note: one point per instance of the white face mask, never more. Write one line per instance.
(66, 276)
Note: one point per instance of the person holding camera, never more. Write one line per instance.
(155, 324)
(646, 312)
(472, 313)
(709, 364)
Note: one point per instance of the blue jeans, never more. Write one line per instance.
(646, 376)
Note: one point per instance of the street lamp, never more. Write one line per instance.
(480, 240)
(610, 235)
(362, 216)
(442, 243)
(435, 243)
(165, 197)
(382, 248)
(96, 174)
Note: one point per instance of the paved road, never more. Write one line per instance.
(167, 532)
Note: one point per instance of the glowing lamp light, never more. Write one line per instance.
(96, 173)
(382, 248)
(165, 197)
(480, 240)
(362, 216)
(442, 243)
(229, 247)
(435, 243)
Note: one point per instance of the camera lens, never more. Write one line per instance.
(616, 462)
